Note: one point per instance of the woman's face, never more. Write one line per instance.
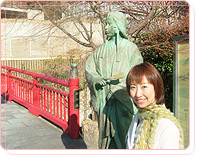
(143, 94)
(110, 27)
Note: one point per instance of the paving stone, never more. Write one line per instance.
(22, 130)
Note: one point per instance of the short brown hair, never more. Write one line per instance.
(153, 76)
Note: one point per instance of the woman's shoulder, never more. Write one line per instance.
(167, 135)
(165, 124)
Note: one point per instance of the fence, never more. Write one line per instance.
(59, 107)
(32, 64)
(38, 65)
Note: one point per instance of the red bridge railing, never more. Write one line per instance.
(59, 107)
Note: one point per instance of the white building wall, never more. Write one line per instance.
(35, 14)
(26, 39)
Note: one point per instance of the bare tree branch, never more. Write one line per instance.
(63, 30)
(101, 16)
(142, 16)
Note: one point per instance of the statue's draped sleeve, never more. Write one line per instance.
(92, 76)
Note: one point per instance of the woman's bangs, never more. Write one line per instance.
(136, 78)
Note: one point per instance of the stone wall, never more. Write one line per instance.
(39, 39)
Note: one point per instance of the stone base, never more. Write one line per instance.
(90, 133)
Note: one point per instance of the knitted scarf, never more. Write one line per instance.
(150, 116)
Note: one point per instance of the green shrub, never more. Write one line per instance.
(164, 63)
(157, 48)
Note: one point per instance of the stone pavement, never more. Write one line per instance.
(22, 130)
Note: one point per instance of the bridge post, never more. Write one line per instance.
(9, 89)
(73, 109)
(34, 109)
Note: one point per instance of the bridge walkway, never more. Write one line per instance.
(22, 130)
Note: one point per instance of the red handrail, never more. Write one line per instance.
(56, 106)
(36, 75)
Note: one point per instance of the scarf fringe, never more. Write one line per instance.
(150, 116)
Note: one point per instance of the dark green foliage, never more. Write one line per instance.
(164, 63)
(157, 48)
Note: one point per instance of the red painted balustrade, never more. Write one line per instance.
(59, 107)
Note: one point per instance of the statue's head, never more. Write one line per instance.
(116, 23)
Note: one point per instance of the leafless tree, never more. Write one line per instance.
(141, 15)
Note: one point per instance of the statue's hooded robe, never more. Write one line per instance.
(114, 112)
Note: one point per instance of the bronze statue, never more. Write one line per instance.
(106, 71)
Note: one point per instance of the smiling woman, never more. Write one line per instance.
(154, 126)
(146, 73)
(143, 94)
